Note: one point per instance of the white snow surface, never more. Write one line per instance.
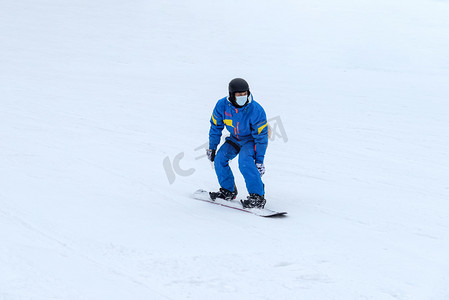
(98, 98)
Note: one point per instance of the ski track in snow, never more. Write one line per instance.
(96, 96)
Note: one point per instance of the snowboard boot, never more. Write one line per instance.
(224, 194)
(254, 201)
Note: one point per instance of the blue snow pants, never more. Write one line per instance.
(247, 166)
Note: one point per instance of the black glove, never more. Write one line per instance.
(210, 154)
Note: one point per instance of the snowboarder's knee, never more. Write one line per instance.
(221, 158)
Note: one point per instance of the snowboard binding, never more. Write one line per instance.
(224, 194)
(254, 201)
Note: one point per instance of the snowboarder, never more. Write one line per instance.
(245, 119)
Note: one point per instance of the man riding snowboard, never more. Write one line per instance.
(245, 119)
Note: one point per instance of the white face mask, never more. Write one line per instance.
(241, 100)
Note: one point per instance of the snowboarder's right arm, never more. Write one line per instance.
(216, 125)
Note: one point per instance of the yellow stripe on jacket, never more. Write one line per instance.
(261, 128)
(213, 119)
(228, 122)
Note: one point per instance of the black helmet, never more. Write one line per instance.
(237, 85)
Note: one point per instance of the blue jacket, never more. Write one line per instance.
(246, 123)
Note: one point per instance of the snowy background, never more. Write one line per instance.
(104, 103)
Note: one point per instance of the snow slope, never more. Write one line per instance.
(104, 109)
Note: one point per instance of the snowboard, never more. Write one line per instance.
(203, 195)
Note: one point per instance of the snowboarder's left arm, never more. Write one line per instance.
(260, 134)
